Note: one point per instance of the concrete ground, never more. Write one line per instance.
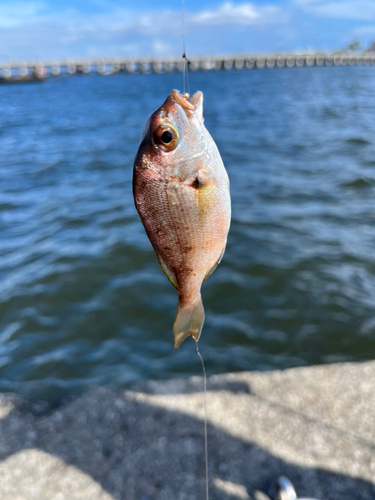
(315, 425)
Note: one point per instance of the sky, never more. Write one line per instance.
(56, 30)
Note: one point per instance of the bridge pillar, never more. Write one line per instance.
(300, 61)
(239, 63)
(145, 67)
(310, 61)
(250, 63)
(337, 60)
(207, 65)
(132, 67)
(39, 71)
(290, 62)
(169, 66)
(158, 67)
(83, 68)
(218, 65)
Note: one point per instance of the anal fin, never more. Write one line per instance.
(169, 274)
(212, 269)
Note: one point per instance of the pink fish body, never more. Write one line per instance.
(181, 192)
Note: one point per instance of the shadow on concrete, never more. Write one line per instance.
(137, 451)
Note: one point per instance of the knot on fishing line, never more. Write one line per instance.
(186, 59)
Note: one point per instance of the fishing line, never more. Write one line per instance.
(205, 417)
(186, 86)
(185, 70)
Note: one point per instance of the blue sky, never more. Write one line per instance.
(55, 29)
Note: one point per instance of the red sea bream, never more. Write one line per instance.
(181, 192)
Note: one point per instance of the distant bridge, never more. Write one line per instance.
(16, 71)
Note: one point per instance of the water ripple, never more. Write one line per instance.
(82, 300)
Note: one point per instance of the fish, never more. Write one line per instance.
(181, 192)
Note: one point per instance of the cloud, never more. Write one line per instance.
(364, 30)
(227, 14)
(20, 13)
(32, 30)
(366, 34)
(149, 23)
(244, 14)
(359, 10)
(161, 48)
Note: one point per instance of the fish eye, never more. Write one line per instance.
(166, 137)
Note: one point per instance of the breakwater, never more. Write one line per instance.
(109, 66)
(314, 425)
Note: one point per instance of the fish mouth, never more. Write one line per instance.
(182, 100)
(190, 107)
(176, 109)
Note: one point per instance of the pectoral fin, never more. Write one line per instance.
(212, 269)
(169, 274)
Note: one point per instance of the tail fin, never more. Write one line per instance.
(189, 321)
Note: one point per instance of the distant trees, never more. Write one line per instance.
(354, 46)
